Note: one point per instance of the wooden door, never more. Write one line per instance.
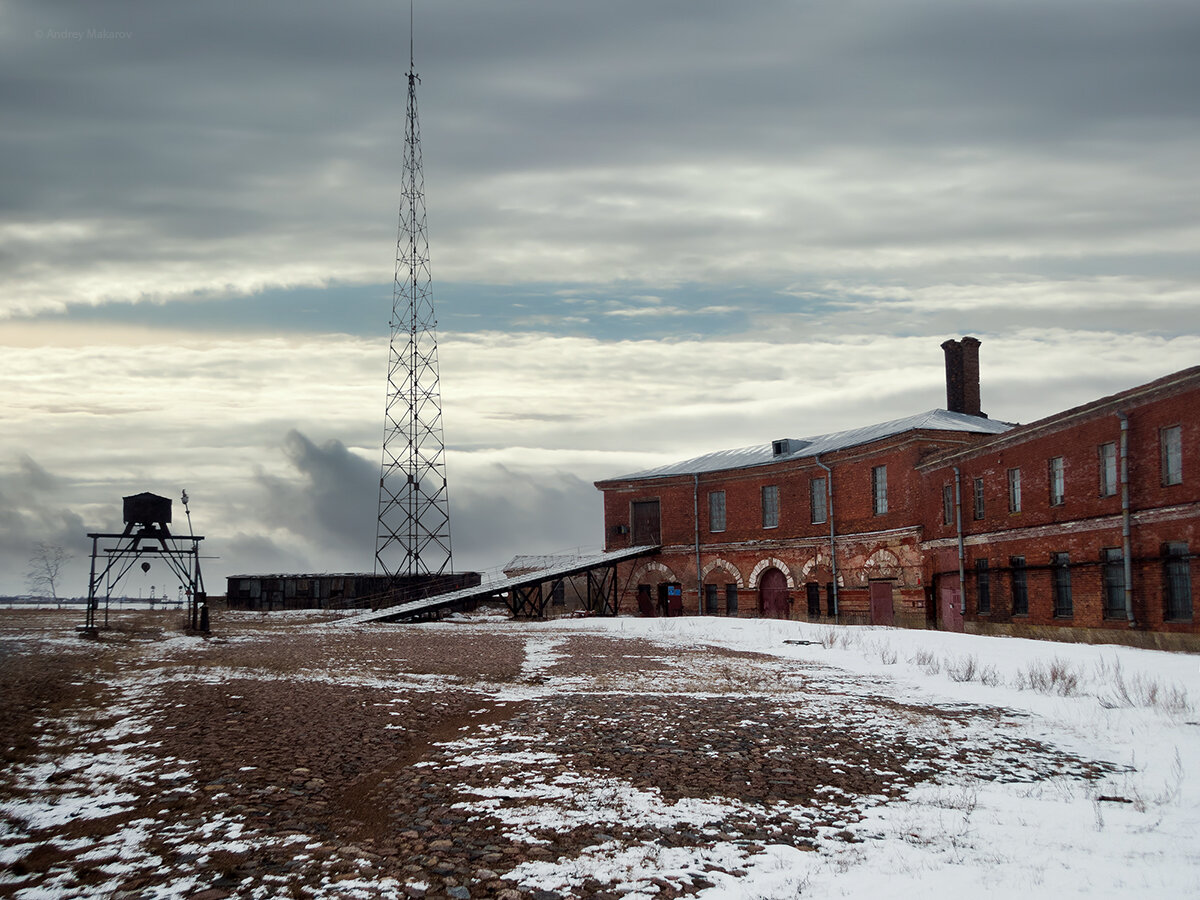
(773, 594)
(882, 612)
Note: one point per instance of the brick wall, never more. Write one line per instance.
(1085, 521)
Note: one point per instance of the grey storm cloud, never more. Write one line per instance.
(331, 501)
(263, 139)
(35, 507)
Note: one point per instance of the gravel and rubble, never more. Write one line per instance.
(282, 757)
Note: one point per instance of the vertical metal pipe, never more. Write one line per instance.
(962, 582)
(1126, 536)
(832, 542)
(696, 521)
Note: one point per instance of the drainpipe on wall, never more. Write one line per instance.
(832, 544)
(962, 583)
(696, 522)
(1126, 537)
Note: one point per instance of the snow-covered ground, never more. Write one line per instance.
(1057, 769)
(1134, 832)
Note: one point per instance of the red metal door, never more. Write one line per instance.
(773, 594)
(881, 603)
(950, 603)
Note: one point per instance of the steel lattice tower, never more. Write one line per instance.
(413, 537)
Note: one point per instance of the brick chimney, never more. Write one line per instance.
(962, 376)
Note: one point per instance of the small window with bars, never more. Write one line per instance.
(1113, 565)
(1177, 582)
(983, 587)
(1020, 585)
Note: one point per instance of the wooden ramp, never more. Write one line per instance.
(525, 595)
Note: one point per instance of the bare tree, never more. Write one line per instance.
(45, 567)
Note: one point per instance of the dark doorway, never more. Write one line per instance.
(812, 592)
(670, 600)
(645, 604)
(773, 594)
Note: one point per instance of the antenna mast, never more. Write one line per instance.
(413, 537)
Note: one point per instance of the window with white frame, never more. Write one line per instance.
(1014, 490)
(1058, 487)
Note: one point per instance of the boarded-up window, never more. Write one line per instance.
(645, 523)
(731, 600)
(947, 504)
(710, 600)
(1107, 454)
(770, 506)
(817, 496)
(1172, 455)
(716, 511)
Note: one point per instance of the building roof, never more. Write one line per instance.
(763, 454)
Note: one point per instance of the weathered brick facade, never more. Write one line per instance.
(1084, 518)
(759, 549)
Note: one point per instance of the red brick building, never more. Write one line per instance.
(1086, 518)
(862, 526)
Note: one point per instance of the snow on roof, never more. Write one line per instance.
(763, 454)
(544, 561)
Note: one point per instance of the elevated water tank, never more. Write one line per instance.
(147, 509)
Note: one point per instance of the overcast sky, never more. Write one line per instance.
(656, 229)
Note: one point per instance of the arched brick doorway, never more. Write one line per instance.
(773, 595)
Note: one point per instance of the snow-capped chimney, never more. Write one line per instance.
(962, 376)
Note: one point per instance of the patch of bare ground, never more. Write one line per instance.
(304, 761)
